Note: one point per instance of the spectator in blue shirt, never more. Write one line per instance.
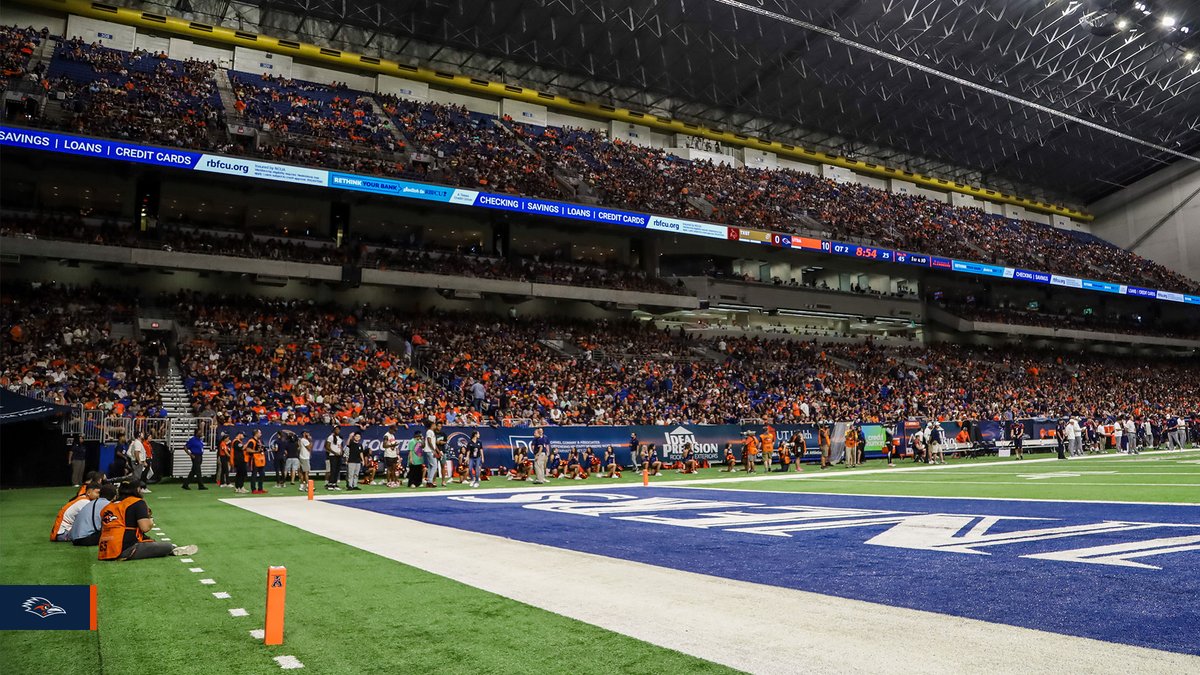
(195, 448)
(85, 531)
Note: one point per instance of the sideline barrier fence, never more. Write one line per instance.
(708, 441)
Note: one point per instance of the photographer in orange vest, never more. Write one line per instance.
(124, 525)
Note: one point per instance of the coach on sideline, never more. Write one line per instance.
(541, 450)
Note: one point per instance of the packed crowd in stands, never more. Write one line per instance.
(58, 345)
(139, 95)
(472, 149)
(16, 47)
(472, 369)
(384, 254)
(333, 114)
(148, 97)
(254, 360)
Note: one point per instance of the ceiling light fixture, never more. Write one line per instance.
(1168, 22)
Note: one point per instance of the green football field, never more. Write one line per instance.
(349, 611)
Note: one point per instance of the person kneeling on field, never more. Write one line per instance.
(688, 460)
(654, 462)
(611, 468)
(730, 459)
(124, 525)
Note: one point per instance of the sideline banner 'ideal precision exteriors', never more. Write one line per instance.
(286, 173)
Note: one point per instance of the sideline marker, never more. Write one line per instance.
(276, 595)
(310, 489)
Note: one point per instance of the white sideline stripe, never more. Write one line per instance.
(164, 539)
(258, 633)
(195, 569)
(238, 611)
(288, 662)
(208, 582)
(221, 595)
(186, 560)
(682, 610)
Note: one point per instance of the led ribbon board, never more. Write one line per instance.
(286, 173)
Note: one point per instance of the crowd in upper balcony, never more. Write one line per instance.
(16, 48)
(333, 114)
(146, 96)
(137, 96)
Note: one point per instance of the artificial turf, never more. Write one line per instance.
(349, 611)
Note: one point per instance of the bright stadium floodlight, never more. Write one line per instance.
(1168, 22)
(1122, 24)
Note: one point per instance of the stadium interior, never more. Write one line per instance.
(701, 222)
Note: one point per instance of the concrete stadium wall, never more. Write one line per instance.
(1125, 216)
(12, 14)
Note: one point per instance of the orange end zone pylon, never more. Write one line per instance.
(276, 597)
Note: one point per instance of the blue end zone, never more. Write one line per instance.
(1114, 572)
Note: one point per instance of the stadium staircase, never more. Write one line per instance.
(401, 141)
(225, 90)
(177, 403)
(43, 54)
(701, 204)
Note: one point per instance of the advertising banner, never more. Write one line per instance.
(286, 173)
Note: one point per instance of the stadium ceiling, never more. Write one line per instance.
(1067, 100)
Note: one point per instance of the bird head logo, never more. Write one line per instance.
(42, 607)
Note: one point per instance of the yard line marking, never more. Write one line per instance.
(221, 595)
(208, 582)
(990, 499)
(195, 569)
(288, 662)
(238, 611)
(164, 539)
(1063, 484)
(186, 560)
(258, 633)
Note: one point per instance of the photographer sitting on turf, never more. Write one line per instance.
(124, 524)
